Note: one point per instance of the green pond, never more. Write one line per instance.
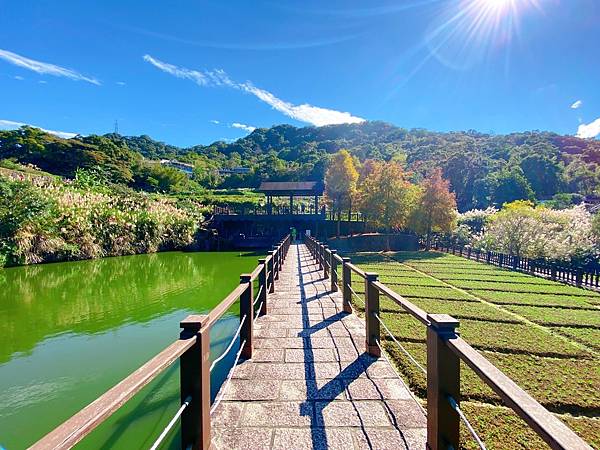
(70, 331)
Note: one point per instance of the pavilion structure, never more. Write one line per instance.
(292, 189)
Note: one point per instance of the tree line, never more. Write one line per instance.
(483, 169)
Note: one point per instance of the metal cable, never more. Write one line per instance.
(229, 375)
(356, 295)
(384, 353)
(259, 308)
(170, 425)
(258, 295)
(237, 333)
(462, 416)
(415, 362)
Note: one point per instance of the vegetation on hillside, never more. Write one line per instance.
(483, 170)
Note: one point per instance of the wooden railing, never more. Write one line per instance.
(193, 351)
(445, 350)
(280, 210)
(580, 276)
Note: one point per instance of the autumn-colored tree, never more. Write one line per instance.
(436, 207)
(386, 196)
(340, 183)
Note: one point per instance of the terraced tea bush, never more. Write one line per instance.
(587, 336)
(464, 310)
(555, 288)
(558, 316)
(534, 299)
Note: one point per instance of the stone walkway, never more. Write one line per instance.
(309, 384)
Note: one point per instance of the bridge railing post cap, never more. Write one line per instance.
(333, 251)
(193, 321)
(245, 277)
(443, 322)
(371, 276)
(262, 260)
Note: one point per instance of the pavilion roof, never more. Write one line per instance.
(286, 188)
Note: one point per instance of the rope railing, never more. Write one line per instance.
(462, 416)
(227, 380)
(235, 336)
(172, 423)
(413, 360)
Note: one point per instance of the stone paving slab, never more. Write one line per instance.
(310, 385)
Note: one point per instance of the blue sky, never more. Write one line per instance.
(189, 72)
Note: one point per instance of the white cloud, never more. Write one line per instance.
(43, 82)
(216, 122)
(11, 125)
(304, 113)
(18, 77)
(577, 104)
(244, 127)
(44, 68)
(590, 130)
(121, 83)
(214, 78)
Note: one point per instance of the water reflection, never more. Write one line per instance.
(69, 331)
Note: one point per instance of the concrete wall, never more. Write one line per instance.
(375, 243)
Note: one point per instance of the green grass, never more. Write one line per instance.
(508, 298)
(500, 337)
(558, 316)
(587, 336)
(549, 364)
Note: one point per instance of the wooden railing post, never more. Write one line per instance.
(553, 272)
(195, 382)
(371, 311)
(320, 255)
(579, 277)
(247, 309)
(271, 269)
(333, 265)
(275, 263)
(262, 286)
(443, 380)
(325, 261)
(515, 264)
(347, 280)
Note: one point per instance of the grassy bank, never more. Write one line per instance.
(542, 334)
(44, 218)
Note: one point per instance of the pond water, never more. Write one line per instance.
(70, 331)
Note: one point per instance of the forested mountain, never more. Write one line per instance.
(483, 169)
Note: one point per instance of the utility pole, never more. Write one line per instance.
(116, 126)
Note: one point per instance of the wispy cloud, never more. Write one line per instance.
(590, 130)
(206, 78)
(121, 83)
(44, 68)
(18, 77)
(577, 104)
(11, 125)
(244, 127)
(304, 113)
(216, 122)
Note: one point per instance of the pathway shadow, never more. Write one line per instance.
(317, 399)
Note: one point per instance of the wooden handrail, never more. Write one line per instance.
(551, 429)
(85, 421)
(444, 350)
(409, 307)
